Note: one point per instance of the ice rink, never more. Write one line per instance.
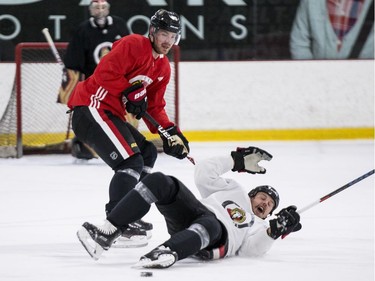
(45, 199)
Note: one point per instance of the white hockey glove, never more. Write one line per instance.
(247, 159)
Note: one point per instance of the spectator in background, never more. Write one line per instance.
(328, 29)
(91, 41)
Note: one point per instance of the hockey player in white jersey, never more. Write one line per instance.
(227, 221)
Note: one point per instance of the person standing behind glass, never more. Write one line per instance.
(328, 29)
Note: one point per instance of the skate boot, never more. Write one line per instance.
(95, 239)
(131, 237)
(142, 225)
(160, 257)
(82, 151)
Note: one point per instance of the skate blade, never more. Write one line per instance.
(133, 242)
(92, 248)
(163, 261)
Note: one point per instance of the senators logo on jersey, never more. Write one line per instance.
(238, 215)
(101, 50)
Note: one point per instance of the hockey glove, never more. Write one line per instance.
(246, 160)
(135, 99)
(174, 142)
(286, 221)
(69, 80)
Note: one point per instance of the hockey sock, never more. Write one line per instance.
(185, 243)
(125, 178)
(120, 185)
(131, 208)
(149, 154)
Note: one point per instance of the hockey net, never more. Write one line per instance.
(33, 122)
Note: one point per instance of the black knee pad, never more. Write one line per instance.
(149, 154)
(161, 186)
(212, 226)
(135, 162)
(126, 176)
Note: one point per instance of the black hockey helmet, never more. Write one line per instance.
(270, 191)
(166, 20)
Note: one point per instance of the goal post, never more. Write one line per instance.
(33, 122)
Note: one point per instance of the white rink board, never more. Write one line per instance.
(276, 95)
(266, 94)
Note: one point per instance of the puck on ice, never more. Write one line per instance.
(146, 274)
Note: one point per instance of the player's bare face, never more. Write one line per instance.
(262, 204)
(163, 41)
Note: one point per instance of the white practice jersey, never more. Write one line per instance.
(247, 235)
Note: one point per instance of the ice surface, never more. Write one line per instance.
(45, 199)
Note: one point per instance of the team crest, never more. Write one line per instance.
(101, 50)
(238, 215)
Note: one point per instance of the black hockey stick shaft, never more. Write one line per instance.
(329, 195)
(162, 131)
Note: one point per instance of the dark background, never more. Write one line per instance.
(262, 27)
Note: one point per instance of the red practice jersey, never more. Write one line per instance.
(129, 60)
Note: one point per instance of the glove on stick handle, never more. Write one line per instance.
(164, 132)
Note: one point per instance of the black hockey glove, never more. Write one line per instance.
(135, 99)
(246, 160)
(286, 221)
(174, 142)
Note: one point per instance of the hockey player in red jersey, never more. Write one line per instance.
(133, 76)
(227, 221)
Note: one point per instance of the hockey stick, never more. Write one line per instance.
(53, 47)
(56, 54)
(163, 132)
(329, 195)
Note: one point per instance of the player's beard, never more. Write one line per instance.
(163, 49)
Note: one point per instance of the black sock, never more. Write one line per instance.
(185, 243)
(131, 208)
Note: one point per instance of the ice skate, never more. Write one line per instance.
(96, 239)
(142, 225)
(160, 257)
(132, 237)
